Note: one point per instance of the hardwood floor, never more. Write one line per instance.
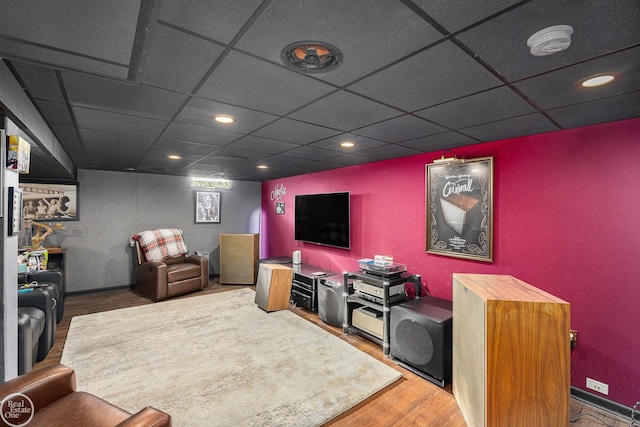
(411, 400)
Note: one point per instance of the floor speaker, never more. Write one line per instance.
(421, 337)
(331, 302)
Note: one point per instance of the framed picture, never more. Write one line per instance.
(460, 208)
(207, 207)
(50, 201)
(280, 208)
(14, 216)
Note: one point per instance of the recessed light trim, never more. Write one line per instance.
(597, 80)
(224, 119)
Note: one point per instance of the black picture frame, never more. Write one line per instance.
(207, 207)
(14, 216)
(459, 198)
(50, 200)
(279, 208)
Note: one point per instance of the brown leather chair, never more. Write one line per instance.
(52, 392)
(164, 268)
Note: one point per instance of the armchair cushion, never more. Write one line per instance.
(57, 403)
(161, 244)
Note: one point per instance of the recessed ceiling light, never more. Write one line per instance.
(597, 80)
(174, 157)
(221, 118)
(347, 144)
(263, 167)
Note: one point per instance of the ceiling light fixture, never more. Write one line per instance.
(311, 57)
(221, 118)
(550, 40)
(216, 183)
(347, 144)
(262, 167)
(174, 157)
(597, 80)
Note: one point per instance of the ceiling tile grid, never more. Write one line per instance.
(147, 78)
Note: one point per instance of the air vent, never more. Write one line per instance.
(311, 57)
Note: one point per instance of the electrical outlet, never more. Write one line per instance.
(597, 386)
(573, 337)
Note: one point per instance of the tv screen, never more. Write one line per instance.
(323, 219)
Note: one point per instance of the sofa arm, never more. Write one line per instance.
(151, 279)
(148, 417)
(204, 268)
(43, 386)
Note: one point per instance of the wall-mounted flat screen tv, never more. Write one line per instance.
(323, 219)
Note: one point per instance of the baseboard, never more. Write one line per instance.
(93, 291)
(601, 402)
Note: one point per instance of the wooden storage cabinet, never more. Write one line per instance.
(273, 289)
(511, 352)
(239, 258)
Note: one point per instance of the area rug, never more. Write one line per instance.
(220, 360)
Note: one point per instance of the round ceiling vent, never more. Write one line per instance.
(550, 40)
(311, 57)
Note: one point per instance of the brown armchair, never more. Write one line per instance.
(54, 401)
(164, 268)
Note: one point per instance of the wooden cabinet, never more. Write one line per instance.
(511, 352)
(239, 255)
(273, 289)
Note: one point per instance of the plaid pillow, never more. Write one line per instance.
(158, 245)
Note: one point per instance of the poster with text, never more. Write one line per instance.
(460, 208)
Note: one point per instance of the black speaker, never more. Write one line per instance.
(331, 302)
(421, 337)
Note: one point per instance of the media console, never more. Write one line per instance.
(304, 289)
(368, 298)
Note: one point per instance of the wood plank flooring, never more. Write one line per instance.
(410, 401)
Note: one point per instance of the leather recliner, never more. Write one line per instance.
(56, 403)
(175, 273)
(31, 323)
(55, 279)
(44, 300)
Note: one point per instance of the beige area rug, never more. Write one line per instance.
(219, 360)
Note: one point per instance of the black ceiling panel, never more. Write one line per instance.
(147, 78)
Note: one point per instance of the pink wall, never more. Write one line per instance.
(567, 206)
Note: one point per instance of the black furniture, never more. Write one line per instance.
(304, 289)
(31, 324)
(369, 296)
(43, 299)
(54, 278)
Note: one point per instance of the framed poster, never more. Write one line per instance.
(207, 207)
(460, 208)
(50, 201)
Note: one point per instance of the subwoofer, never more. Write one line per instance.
(331, 302)
(421, 337)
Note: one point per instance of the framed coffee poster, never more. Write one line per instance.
(460, 208)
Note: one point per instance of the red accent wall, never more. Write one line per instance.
(566, 220)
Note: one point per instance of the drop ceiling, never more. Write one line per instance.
(123, 83)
